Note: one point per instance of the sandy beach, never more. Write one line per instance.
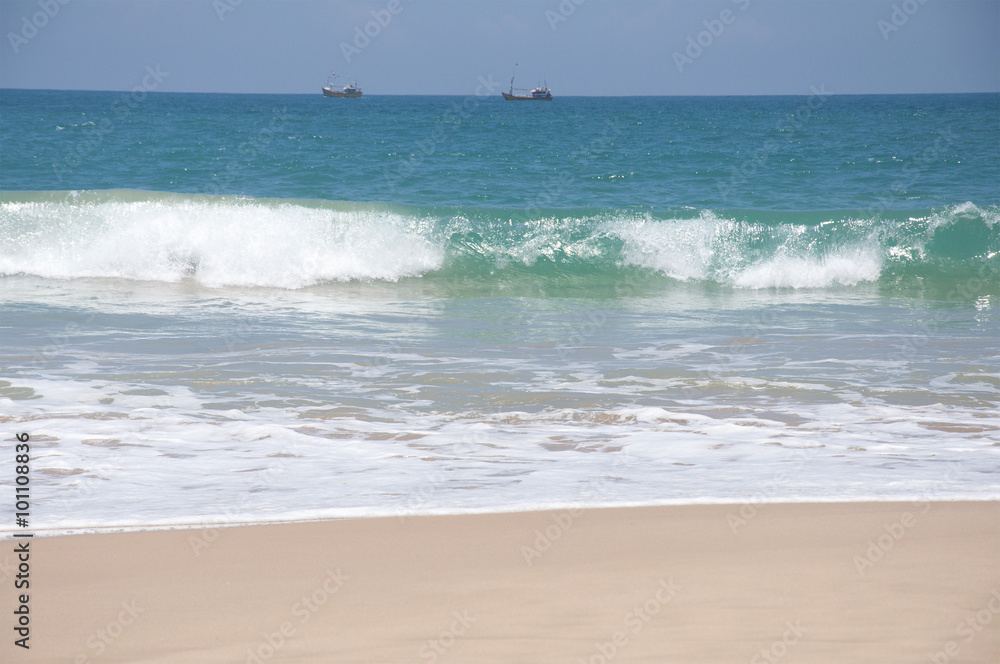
(858, 582)
(311, 332)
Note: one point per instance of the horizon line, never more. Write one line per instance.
(566, 96)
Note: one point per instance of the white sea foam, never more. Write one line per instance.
(679, 248)
(217, 243)
(990, 215)
(229, 405)
(99, 443)
(745, 255)
(847, 266)
(225, 241)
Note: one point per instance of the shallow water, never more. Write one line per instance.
(341, 325)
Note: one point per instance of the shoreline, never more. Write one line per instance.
(210, 522)
(859, 581)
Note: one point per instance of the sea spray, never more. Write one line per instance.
(241, 241)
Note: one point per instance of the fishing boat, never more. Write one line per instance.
(351, 90)
(542, 93)
(539, 94)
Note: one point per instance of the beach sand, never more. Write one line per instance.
(837, 582)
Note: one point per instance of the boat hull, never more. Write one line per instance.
(510, 97)
(338, 93)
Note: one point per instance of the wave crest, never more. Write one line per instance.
(227, 241)
(223, 242)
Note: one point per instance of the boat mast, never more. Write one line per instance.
(512, 79)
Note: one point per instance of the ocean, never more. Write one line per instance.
(221, 309)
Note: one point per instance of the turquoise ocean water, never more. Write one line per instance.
(231, 308)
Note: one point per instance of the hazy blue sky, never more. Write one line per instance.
(443, 46)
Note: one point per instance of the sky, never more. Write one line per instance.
(578, 47)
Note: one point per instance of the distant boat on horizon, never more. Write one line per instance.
(538, 94)
(351, 90)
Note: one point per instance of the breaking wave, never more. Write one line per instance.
(238, 241)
